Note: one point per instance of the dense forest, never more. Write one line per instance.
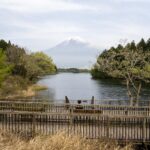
(19, 68)
(119, 61)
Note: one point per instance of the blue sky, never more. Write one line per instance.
(41, 24)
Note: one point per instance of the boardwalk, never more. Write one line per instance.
(122, 123)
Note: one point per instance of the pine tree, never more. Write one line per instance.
(141, 45)
(3, 45)
(133, 46)
(148, 45)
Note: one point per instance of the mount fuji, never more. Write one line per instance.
(73, 53)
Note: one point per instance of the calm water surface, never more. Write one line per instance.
(82, 86)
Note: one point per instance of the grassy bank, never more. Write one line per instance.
(56, 142)
(27, 92)
(31, 90)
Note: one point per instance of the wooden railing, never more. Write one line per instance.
(84, 101)
(75, 108)
(121, 128)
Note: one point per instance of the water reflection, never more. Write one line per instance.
(82, 86)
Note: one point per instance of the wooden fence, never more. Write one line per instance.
(112, 110)
(122, 123)
(124, 128)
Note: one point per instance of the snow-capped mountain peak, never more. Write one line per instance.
(73, 52)
(74, 41)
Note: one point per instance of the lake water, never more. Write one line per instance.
(82, 86)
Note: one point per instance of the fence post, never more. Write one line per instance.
(108, 124)
(67, 100)
(70, 120)
(33, 124)
(71, 115)
(144, 129)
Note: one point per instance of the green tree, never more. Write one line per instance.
(148, 45)
(3, 45)
(5, 68)
(119, 47)
(16, 56)
(141, 45)
(44, 62)
(32, 70)
(133, 46)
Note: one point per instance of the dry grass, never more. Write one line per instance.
(31, 90)
(56, 142)
(28, 92)
(37, 87)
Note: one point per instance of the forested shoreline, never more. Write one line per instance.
(19, 68)
(118, 61)
(129, 63)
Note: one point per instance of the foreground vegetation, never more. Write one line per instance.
(19, 68)
(59, 141)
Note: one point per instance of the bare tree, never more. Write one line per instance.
(133, 76)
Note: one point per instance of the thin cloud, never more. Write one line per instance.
(28, 6)
(41, 24)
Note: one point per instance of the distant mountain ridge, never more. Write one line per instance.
(73, 53)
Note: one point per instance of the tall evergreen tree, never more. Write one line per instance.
(3, 45)
(119, 47)
(133, 46)
(141, 45)
(148, 45)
